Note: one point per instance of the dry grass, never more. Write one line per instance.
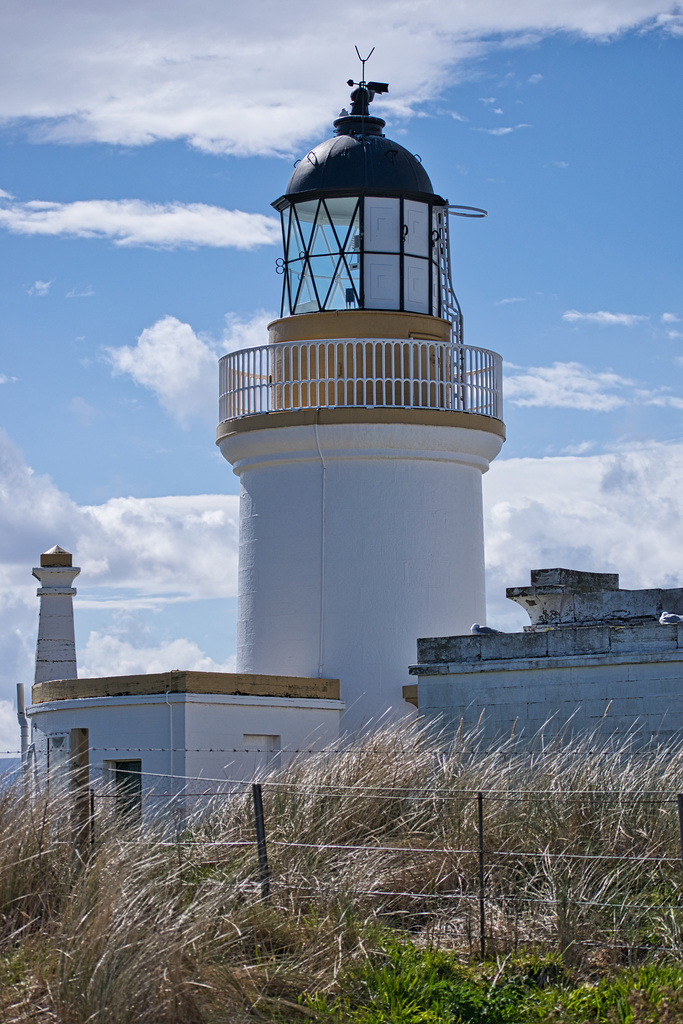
(150, 931)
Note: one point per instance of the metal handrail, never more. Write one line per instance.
(360, 373)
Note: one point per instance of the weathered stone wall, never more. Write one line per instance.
(618, 677)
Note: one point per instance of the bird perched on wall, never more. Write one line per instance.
(669, 618)
(476, 628)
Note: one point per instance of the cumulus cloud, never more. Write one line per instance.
(604, 318)
(670, 318)
(174, 363)
(40, 288)
(180, 366)
(575, 386)
(130, 222)
(132, 552)
(567, 386)
(105, 654)
(618, 512)
(121, 73)
(4, 379)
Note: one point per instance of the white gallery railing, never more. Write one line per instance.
(360, 372)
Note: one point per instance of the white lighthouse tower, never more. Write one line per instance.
(361, 431)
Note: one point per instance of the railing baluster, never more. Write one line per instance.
(368, 372)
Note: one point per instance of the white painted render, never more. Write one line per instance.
(626, 680)
(356, 539)
(189, 744)
(56, 647)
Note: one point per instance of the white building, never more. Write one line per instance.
(167, 738)
(594, 656)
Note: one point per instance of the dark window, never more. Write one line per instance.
(128, 786)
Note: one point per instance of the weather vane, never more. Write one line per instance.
(364, 93)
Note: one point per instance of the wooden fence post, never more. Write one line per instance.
(261, 839)
(482, 917)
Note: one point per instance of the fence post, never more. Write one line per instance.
(261, 839)
(680, 820)
(92, 818)
(482, 918)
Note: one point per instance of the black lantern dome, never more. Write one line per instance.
(361, 163)
(362, 225)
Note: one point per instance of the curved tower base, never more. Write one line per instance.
(360, 531)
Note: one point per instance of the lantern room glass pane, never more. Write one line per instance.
(382, 227)
(416, 284)
(304, 298)
(323, 239)
(382, 285)
(343, 210)
(296, 245)
(415, 228)
(305, 214)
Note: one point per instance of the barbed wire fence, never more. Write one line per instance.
(475, 887)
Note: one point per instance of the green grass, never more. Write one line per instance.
(398, 983)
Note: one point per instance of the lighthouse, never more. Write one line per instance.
(361, 430)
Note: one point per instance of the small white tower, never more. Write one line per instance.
(56, 646)
(360, 433)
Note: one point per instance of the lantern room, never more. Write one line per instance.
(362, 226)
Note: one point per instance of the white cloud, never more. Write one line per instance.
(132, 73)
(181, 367)
(133, 552)
(502, 131)
(85, 293)
(619, 512)
(575, 386)
(670, 318)
(176, 364)
(505, 302)
(534, 79)
(40, 288)
(10, 738)
(105, 654)
(4, 379)
(5, 195)
(133, 222)
(83, 412)
(567, 386)
(604, 318)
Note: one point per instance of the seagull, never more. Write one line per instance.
(476, 628)
(666, 619)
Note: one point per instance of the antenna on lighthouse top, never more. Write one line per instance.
(364, 94)
(363, 61)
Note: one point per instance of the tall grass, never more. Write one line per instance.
(148, 929)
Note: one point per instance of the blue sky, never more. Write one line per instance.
(141, 148)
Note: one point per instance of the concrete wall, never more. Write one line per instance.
(617, 677)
